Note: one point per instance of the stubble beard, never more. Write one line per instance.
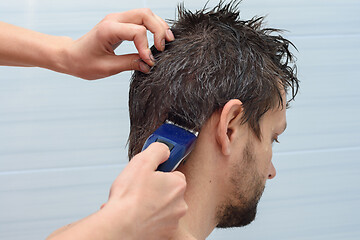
(241, 207)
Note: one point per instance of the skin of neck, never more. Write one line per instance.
(205, 188)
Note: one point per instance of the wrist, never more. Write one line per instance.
(117, 222)
(60, 60)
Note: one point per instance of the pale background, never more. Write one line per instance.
(63, 140)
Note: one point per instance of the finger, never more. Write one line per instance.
(148, 19)
(155, 154)
(135, 33)
(117, 64)
(169, 35)
(180, 174)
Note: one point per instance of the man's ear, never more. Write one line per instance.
(229, 121)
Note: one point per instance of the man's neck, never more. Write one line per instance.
(199, 220)
(205, 189)
(202, 199)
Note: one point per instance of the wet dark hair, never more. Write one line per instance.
(214, 58)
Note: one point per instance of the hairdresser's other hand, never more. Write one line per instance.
(143, 203)
(92, 56)
(155, 200)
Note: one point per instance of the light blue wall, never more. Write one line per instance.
(63, 140)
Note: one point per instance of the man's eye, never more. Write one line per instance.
(275, 140)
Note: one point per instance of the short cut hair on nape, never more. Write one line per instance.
(215, 57)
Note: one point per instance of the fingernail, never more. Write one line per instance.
(152, 58)
(170, 35)
(144, 67)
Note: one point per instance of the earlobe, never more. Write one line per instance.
(229, 120)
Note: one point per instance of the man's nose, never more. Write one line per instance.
(272, 171)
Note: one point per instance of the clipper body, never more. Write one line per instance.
(179, 140)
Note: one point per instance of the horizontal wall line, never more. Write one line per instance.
(47, 170)
(121, 166)
(320, 150)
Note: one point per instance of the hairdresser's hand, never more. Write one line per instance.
(92, 56)
(155, 200)
(143, 203)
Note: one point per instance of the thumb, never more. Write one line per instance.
(155, 154)
(127, 62)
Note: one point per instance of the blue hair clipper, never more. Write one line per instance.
(179, 140)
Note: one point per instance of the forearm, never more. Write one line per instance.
(23, 47)
(143, 203)
(101, 225)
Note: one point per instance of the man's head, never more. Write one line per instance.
(226, 78)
